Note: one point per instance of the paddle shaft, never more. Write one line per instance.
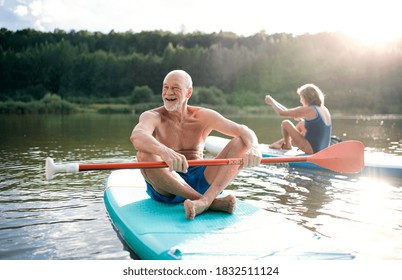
(161, 164)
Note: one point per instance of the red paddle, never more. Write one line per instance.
(344, 157)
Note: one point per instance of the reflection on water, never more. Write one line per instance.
(363, 214)
(66, 219)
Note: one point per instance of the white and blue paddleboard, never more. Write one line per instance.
(160, 231)
(377, 164)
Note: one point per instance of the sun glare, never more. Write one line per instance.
(376, 35)
(373, 23)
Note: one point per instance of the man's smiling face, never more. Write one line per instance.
(175, 92)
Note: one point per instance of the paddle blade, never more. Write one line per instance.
(344, 157)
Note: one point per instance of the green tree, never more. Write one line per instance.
(141, 94)
(208, 96)
(94, 67)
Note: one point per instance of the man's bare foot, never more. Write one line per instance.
(195, 207)
(224, 204)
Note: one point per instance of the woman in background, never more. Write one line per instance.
(313, 132)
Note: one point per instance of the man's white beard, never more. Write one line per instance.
(172, 107)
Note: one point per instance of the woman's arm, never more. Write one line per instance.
(296, 113)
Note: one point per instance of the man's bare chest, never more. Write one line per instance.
(181, 136)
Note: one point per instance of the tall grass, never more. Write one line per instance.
(49, 104)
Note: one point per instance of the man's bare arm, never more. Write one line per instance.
(143, 141)
(223, 125)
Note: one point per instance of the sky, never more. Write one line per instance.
(370, 20)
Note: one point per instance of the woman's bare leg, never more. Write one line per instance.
(292, 134)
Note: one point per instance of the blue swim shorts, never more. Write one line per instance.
(194, 178)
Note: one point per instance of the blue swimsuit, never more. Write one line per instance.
(194, 177)
(318, 133)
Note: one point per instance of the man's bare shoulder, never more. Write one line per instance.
(153, 112)
(201, 111)
(152, 115)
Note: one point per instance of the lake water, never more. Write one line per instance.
(65, 218)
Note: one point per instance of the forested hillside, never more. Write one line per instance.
(85, 67)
